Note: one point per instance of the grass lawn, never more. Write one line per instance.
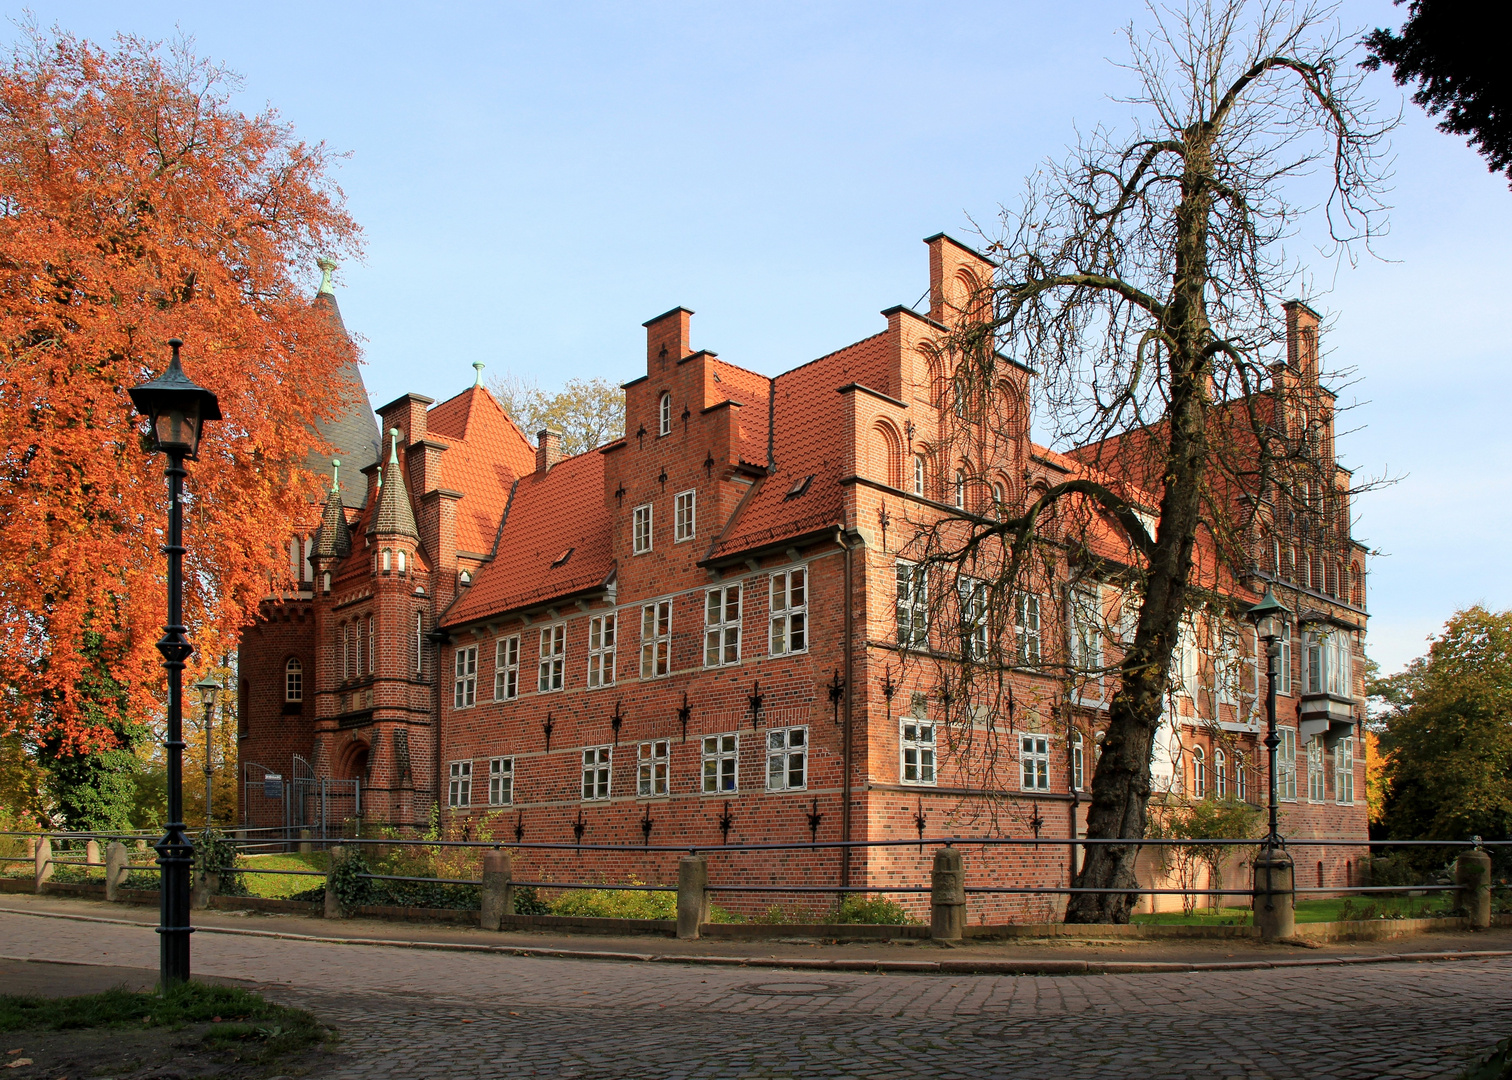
(1308, 911)
(282, 885)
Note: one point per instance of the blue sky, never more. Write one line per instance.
(536, 180)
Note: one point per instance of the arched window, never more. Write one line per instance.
(1078, 762)
(1199, 773)
(1220, 777)
(325, 581)
(293, 680)
(361, 648)
(997, 497)
(665, 412)
(399, 560)
(346, 652)
(918, 474)
(960, 490)
(1241, 779)
(388, 560)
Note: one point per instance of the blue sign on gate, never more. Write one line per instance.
(273, 786)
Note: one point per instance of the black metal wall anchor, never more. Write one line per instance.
(884, 519)
(619, 495)
(1036, 823)
(546, 730)
(616, 719)
(685, 714)
(646, 825)
(466, 832)
(814, 818)
(579, 826)
(919, 822)
(641, 435)
(889, 688)
(709, 464)
(836, 692)
(1010, 710)
(663, 479)
(520, 828)
(755, 699)
(725, 821)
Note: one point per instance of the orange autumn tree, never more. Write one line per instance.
(137, 204)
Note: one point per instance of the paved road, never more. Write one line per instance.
(412, 1013)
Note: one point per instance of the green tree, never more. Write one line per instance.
(1448, 733)
(588, 412)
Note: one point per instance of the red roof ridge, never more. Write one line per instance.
(828, 355)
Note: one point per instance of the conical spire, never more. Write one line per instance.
(334, 539)
(352, 432)
(394, 514)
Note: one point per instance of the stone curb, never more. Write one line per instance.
(910, 967)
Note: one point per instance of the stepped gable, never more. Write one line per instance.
(485, 452)
(809, 414)
(550, 514)
(352, 431)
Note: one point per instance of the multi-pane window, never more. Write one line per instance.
(1078, 762)
(552, 658)
(1315, 773)
(651, 777)
(1241, 778)
(1086, 629)
(656, 639)
(722, 626)
(787, 758)
(294, 680)
(601, 630)
(1344, 771)
(918, 475)
(507, 668)
(913, 605)
(1034, 762)
(789, 594)
(359, 643)
(960, 490)
(596, 769)
(973, 617)
(372, 657)
(1286, 764)
(1188, 661)
(1284, 664)
(459, 790)
(465, 686)
(721, 761)
(419, 643)
(1026, 629)
(917, 750)
(500, 781)
(1220, 774)
(685, 516)
(641, 529)
(664, 415)
(1328, 664)
(346, 652)
(1226, 666)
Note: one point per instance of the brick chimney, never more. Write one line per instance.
(548, 449)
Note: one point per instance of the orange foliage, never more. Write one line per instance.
(137, 205)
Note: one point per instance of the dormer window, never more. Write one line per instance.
(464, 578)
(665, 415)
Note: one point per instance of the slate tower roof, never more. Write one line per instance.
(353, 431)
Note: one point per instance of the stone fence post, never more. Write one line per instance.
(947, 896)
(92, 853)
(498, 892)
(1274, 898)
(304, 841)
(333, 909)
(44, 861)
(692, 895)
(117, 867)
(1472, 873)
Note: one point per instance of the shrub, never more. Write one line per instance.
(878, 911)
(214, 854)
(616, 903)
(528, 902)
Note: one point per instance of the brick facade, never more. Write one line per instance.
(741, 546)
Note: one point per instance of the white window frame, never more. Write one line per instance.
(1344, 772)
(507, 668)
(787, 630)
(1084, 622)
(1028, 630)
(917, 764)
(459, 784)
(721, 627)
(919, 474)
(1241, 778)
(972, 593)
(1199, 773)
(960, 489)
(1034, 761)
(1078, 761)
(465, 684)
(1226, 667)
(1317, 772)
(501, 781)
(786, 746)
(912, 608)
(598, 773)
(1284, 663)
(719, 771)
(641, 538)
(1286, 764)
(653, 768)
(399, 561)
(684, 516)
(293, 680)
(602, 632)
(656, 640)
(372, 649)
(664, 415)
(1220, 774)
(551, 665)
(1330, 663)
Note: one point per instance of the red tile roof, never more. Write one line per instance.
(548, 515)
(752, 391)
(485, 451)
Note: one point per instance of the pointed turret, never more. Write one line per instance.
(334, 539)
(352, 431)
(394, 515)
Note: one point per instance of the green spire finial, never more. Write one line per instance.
(478, 367)
(327, 265)
(393, 446)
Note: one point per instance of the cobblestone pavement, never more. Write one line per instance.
(410, 1013)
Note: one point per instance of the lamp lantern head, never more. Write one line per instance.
(177, 408)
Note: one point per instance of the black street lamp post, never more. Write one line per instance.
(177, 409)
(208, 688)
(1268, 616)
